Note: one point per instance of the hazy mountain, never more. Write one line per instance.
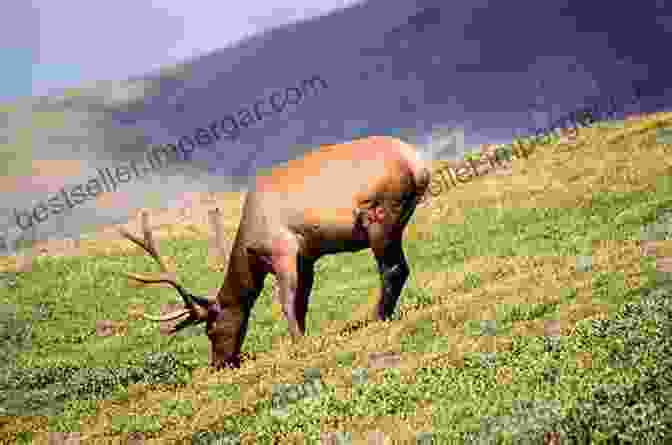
(495, 69)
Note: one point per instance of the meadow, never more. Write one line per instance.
(539, 308)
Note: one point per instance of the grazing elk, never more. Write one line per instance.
(339, 198)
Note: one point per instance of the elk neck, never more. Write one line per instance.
(239, 279)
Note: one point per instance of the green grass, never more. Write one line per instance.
(78, 291)
(57, 303)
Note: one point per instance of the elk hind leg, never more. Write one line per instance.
(394, 272)
(385, 237)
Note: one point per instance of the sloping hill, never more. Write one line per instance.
(502, 264)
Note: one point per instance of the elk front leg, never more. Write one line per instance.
(249, 299)
(306, 270)
(288, 280)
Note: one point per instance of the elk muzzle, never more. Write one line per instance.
(225, 330)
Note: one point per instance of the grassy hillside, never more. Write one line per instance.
(497, 264)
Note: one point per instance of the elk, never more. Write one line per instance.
(339, 198)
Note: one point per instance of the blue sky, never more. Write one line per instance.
(17, 75)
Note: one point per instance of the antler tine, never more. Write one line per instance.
(189, 321)
(149, 241)
(148, 244)
(168, 317)
(167, 275)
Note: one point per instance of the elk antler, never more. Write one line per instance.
(166, 276)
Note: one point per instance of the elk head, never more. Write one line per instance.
(196, 309)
